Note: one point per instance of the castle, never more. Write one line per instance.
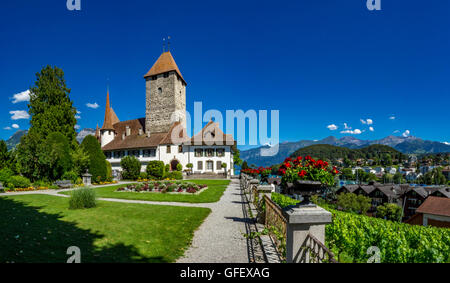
(162, 134)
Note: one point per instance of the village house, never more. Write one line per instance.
(435, 211)
(161, 135)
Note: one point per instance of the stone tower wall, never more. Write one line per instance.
(161, 105)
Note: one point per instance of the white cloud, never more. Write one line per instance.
(7, 128)
(15, 126)
(447, 143)
(392, 118)
(77, 127)
(354, 132)
(366, 122)
(346, 126)
(406, 133)
(21, 97)
(77, 117)
(396, 131)
(371, 129)
(332, 127)
(92, 105)
(78, 112)
(19, 114)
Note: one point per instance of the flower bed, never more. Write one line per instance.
(105, 183)
(163, 187)
(29, 189)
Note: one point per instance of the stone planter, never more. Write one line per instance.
(306, 189)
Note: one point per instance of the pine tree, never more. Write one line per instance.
(50, 106)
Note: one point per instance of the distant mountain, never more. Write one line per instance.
(407, 145)
(14, 140)
(84, 133)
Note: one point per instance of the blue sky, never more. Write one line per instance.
(319, 62)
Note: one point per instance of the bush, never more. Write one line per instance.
(72, 176)
(155, 169)
(167, 167)
(179, 167)
(108, 171)
(5, 174)
(175, 175)
(389, 211)
(131, 167)
(97, 160)
(15, 182)
(282, 200)
(354, 203)
(143, 175)
(82, 198)
(41, 183)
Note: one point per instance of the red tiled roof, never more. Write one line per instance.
(436, 206)
(164, 64)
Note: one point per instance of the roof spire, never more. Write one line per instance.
(107, 124)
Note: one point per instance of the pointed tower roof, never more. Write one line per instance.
(164, 64)
(110, 116)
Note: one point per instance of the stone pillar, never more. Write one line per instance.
(300, 222)
(87, 179)
(253, 183)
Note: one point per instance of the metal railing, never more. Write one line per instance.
(314, 251)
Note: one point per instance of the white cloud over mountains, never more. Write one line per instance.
(332, 127)
(21, 97)
(19, 114)
(352, 132)
(367, 121)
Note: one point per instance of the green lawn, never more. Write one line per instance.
(40, 228)
(212, 194)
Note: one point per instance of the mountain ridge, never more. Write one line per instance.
(406, 145)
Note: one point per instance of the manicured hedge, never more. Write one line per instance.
(155, 170)
(131, 167)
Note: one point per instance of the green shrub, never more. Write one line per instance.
(167, 167)
(5, 174)
(175, 175)
(108, 171)
(41, 183)
(97, 160)
(389, 211)
(353, 203)
(82, 198)
(131, 167)
(143, 175)
(70, 175)
(16, 182)
(179, 167)
(283, 201)
(155, 170)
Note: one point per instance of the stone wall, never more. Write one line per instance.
(165, 97)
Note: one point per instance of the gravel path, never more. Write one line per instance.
(220, 238)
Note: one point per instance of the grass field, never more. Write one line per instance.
(40, 228)
(212, 194)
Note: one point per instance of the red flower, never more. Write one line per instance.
(302, 173)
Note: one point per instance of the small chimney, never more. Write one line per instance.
(128, 130)
(123, 136)
(140, 131)
(148, 134)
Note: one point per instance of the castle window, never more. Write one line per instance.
(159, 90)
(220, 152)
(166, 75)
(150, 153)
(168, 149)
(154, 78)
(209, 165)
(210, 152)
(180, 149)
(198, 152)
(134, 153)
(200, 165)
(218, 165)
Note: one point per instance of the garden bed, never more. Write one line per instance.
(165, 187)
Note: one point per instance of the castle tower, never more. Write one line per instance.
(165, 95)
(107, 132)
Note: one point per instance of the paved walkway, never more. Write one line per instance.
(220, 238)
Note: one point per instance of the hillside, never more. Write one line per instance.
(14, 140)
(406, 145)
(331, 152)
